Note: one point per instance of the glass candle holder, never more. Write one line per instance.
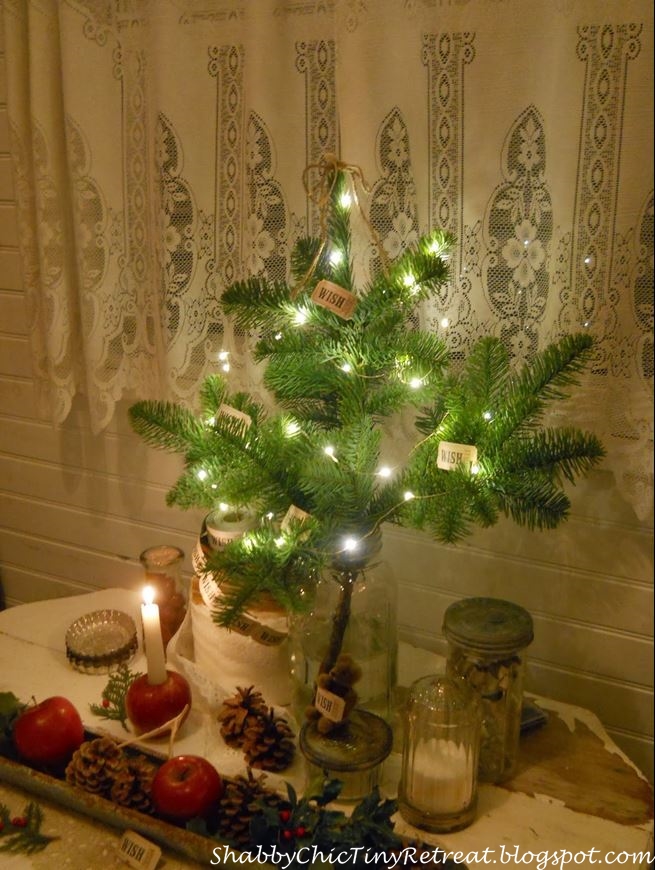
(162, 567)
(438, 784)
(486, 638)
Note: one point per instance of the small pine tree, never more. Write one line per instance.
(336, 376)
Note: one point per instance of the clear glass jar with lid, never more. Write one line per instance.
(486, 639)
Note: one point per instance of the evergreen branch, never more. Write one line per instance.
(256, 303)
(164, 425)
(531, 501)
(566, 453)
(545, 379)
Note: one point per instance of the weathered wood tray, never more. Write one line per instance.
(164, 834)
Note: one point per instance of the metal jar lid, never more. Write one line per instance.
(488, 625)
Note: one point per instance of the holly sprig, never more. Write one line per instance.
(113, 695)
(308, 821)
(23, 833)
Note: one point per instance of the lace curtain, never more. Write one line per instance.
(159, 148)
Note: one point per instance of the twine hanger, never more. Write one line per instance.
(320, 193)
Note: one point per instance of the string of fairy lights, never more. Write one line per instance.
(300, 315)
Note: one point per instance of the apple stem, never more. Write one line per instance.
(172, 725)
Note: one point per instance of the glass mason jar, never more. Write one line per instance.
(162, 567)
(486, 638)
(343, 656)
(439, 774)
(353, 614)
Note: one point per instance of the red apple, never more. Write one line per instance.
(47, 734)
(186, 787)
(150, 706)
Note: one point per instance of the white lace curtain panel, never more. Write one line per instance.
(159, 148)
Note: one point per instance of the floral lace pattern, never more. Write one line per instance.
(179, 137)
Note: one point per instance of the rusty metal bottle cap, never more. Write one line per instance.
(488, 625)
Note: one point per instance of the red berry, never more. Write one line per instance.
(300, 831)
(19, 821)
(285, 815)
(105, 703)
(287, 834)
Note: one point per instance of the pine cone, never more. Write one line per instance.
(239, 804)
(96, 765)
(133, 786)
(238, 712)
(269, 742)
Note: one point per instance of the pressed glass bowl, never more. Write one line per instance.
(100, 641)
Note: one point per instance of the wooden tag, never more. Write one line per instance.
(294, 513)
(229, 411)
(450, 455)
(330, 705)
(139, 852)
(334, 298)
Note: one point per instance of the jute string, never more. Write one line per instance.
(320, 191)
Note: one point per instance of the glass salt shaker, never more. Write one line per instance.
(486, 638)
(439, 774)
(162, 566)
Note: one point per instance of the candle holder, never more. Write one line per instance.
(99, 642)
(438, 785)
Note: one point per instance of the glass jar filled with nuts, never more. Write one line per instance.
(486, 642)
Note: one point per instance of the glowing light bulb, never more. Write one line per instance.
(270, 515)
(408, 495)
(223, 355)
(292, 428)
(415, 383)
(488, 416)
(211, 421)
(226, 367)
(202, 474)
(384, 471)
(475, 468)
(346, 200)
(214, 486)
(336, 256)
(329, 451)
(279, 541)
(346, 367)
(445, 323)
(223, 507)
(300, 316)
(409, 281)
(350, 544)
(278, 336)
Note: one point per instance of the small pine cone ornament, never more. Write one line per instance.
(133, 785)
(269, 742)
(240, 803)
(238, 712)
(96, 765)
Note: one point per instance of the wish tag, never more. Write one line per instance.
(294, 513)
(138, 852)
(330, 705)
(229, 411)
(450, 455)
(335, 298)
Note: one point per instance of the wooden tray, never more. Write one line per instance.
(165, 835)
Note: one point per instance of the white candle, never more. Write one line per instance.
(441, 778)
(152, 638)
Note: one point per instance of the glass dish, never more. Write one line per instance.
(99, 642)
